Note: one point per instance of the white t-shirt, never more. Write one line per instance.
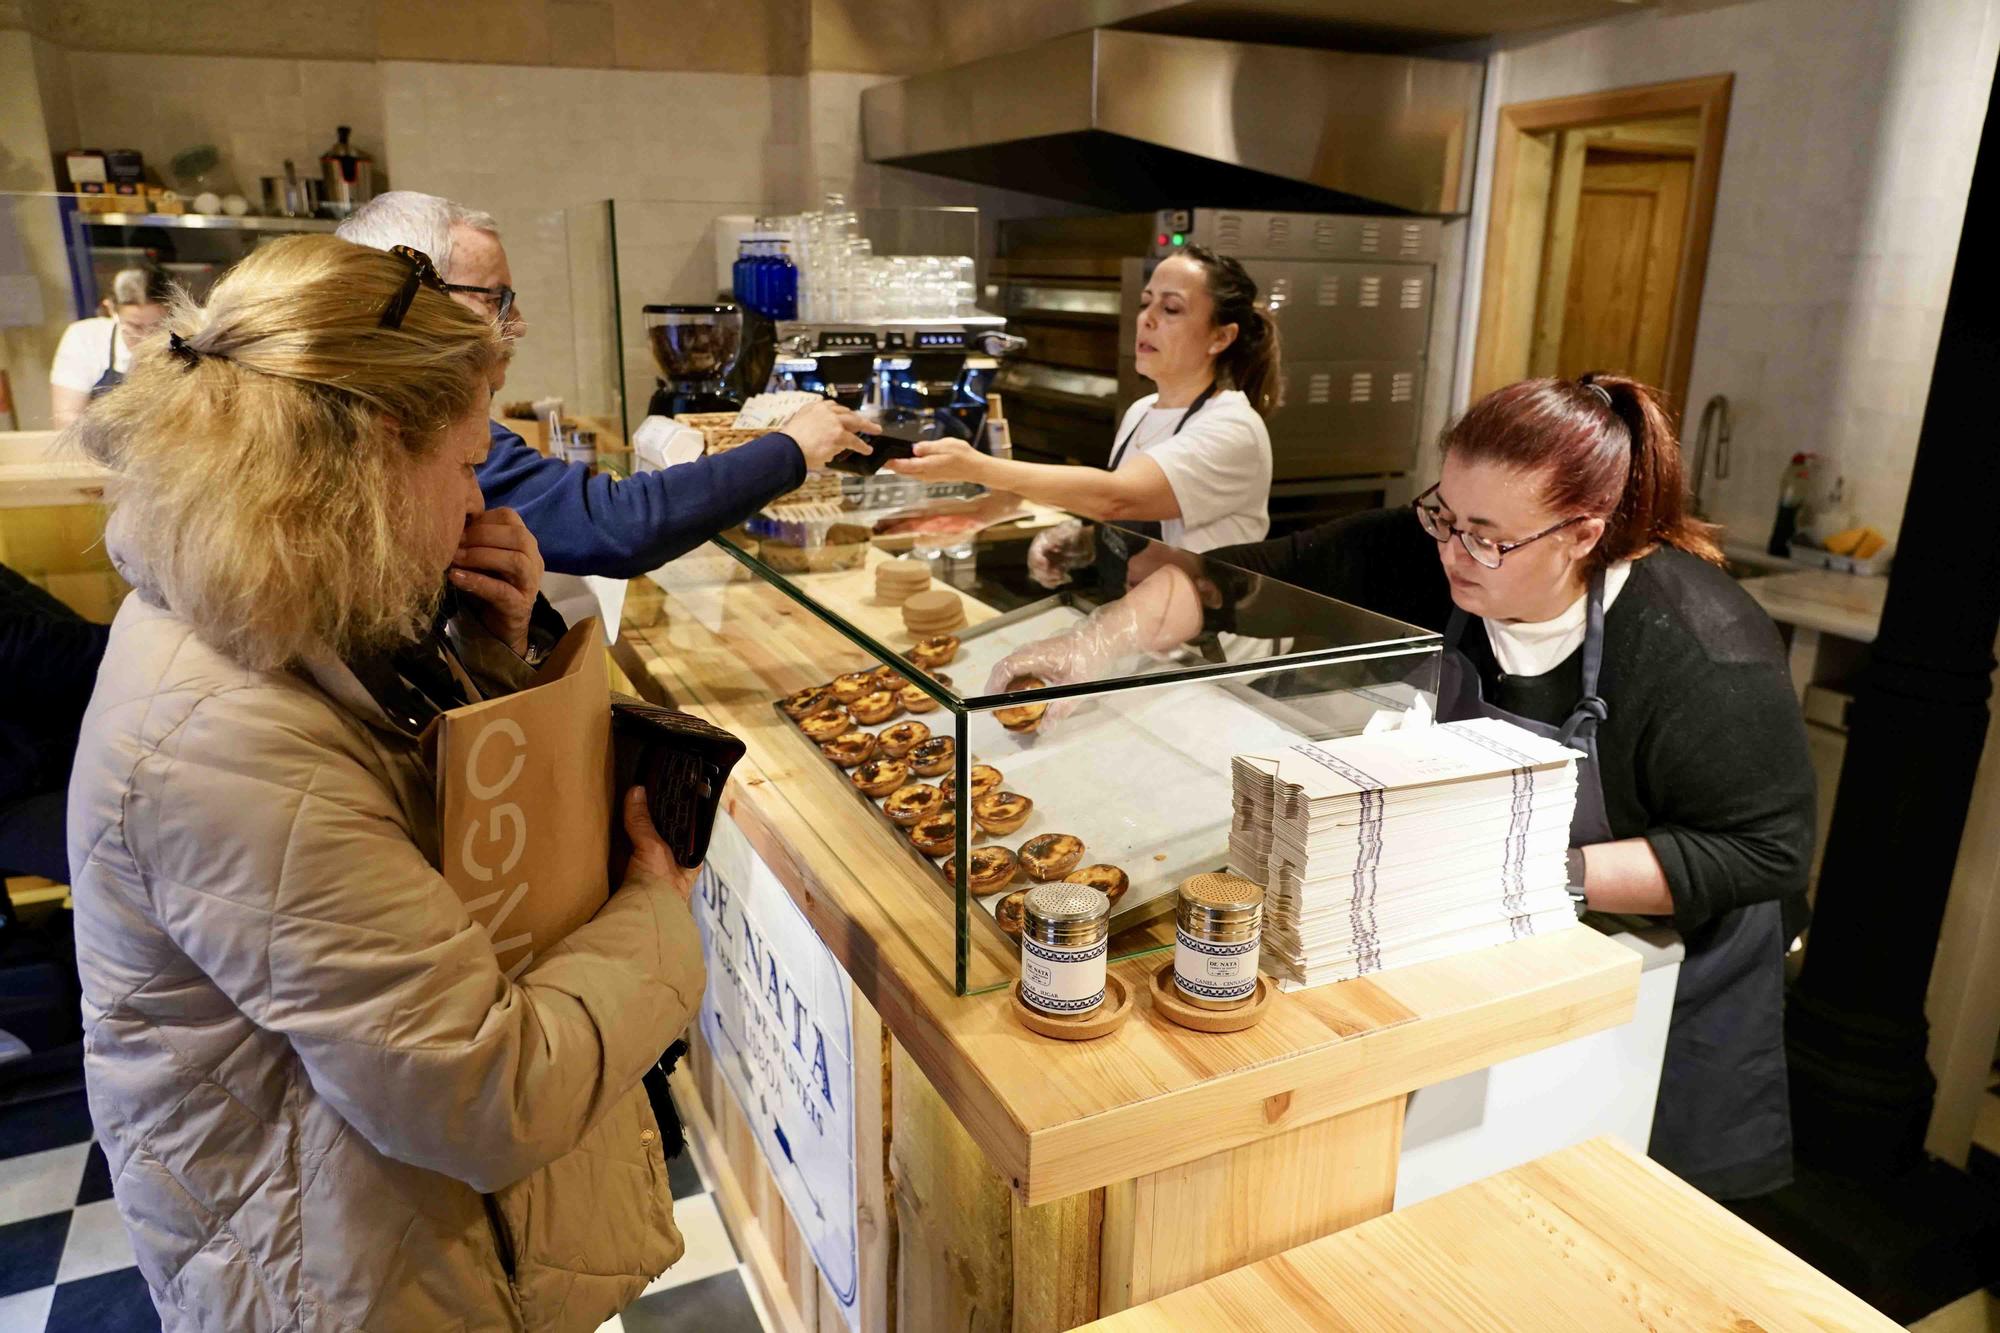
(84, 352)
(1219, 467)
(1524, 649)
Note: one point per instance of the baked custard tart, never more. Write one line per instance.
(879, 777)
(935, 836)
(913, 803)
(875, 706)
(934, 756)
(812, 699)
(853, 685)
(902, 738)
(992, 869)
(824, 725)
(1025, 717)
(985, 778)
(851, 748)
(1107, 880)
(936, 651)
(1052, 855)
(1001, 811)
(1012, 912)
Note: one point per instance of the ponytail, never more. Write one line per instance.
(1606, 448)
(1250, 363)
(1652, 509)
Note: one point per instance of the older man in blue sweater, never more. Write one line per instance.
(586, 524)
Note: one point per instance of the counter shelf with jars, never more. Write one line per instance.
(992, 784)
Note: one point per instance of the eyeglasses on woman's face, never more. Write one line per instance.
(1483, 549)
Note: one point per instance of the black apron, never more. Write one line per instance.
(112, 377)
(1147, 527)
(1722, 1121)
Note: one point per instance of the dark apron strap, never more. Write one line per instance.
(1580, 728)
(1591, 708)
(112, 376)
(1201, 401)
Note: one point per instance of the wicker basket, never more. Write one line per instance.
(819, 488)
(719, 430)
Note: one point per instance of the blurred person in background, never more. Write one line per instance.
(322, 1101)
(618, 528)
(95, 353)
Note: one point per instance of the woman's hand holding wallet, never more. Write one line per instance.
(649, 852)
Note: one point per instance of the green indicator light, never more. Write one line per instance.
(1179, 239)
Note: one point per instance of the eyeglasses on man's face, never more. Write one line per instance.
(501, 298)
(1483, 549)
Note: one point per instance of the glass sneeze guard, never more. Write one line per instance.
(1134, 760)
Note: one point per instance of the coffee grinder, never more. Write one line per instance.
(695, 348)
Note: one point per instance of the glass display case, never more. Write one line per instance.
(1005, 710)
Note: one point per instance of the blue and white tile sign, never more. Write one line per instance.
(777, 1023)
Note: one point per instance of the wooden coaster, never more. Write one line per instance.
(1168, 1002)
(1105, 1019)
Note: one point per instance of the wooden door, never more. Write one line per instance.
(1618, 307)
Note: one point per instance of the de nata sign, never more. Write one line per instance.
(777, 1022)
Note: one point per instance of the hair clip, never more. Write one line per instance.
(421, 271)
(1601, 392)
(189, 354)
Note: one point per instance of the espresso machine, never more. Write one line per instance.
(920, 378)
(695, 347)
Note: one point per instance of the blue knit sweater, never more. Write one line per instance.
(622, 529)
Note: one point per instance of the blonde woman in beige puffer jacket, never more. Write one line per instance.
(323, 1104)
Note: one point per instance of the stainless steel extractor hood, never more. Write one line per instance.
(1136, 121)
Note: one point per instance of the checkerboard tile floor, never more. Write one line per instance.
(66, 1264)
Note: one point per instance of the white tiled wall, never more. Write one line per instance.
(1852, 131)
(674, 150)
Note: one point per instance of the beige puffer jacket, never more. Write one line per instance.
(323, 1105)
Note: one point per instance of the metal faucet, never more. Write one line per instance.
(1714, 418)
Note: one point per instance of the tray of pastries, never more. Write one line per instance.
(866, 724)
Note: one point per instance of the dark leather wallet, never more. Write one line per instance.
(682, 762)
(885, 447)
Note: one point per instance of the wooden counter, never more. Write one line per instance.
(1038, 1184)
(1593, 1238)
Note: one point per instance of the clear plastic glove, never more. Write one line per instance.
(1095, 650)
(1058, 550)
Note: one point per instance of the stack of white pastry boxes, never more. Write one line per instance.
(1380, 850)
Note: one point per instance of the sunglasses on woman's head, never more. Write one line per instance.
(422, 272)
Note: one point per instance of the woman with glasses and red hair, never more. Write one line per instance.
(1580, 599)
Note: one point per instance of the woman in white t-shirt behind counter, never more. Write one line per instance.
(1193, 458)
(95, 353)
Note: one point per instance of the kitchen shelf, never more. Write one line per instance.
(205, 222)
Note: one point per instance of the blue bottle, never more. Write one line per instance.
(740, 273)
(782, 291)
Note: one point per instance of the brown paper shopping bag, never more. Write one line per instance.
(524, 802)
